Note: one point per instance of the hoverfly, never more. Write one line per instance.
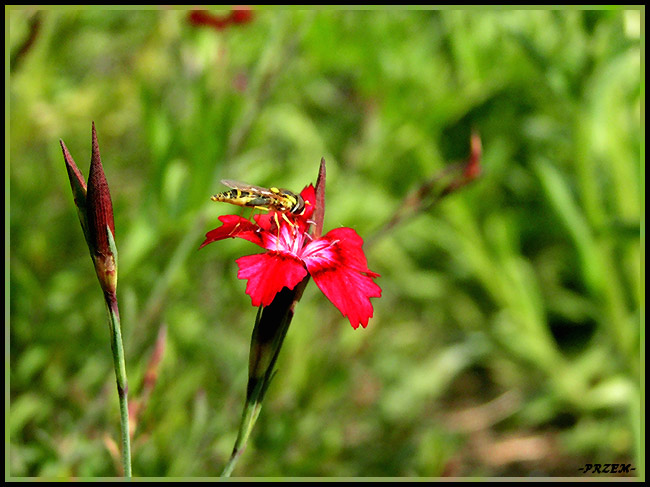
(267, 199)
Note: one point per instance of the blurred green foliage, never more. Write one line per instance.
(507, 338)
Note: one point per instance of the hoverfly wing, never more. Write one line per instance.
(245, 186)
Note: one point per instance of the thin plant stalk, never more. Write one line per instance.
(117, 349)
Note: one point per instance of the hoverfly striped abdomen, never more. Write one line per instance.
(241, 198)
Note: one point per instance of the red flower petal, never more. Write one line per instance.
(339, 268)
(267, 221)
(233, 226)
(309, 195)
(347, 246)
(350, 291)
(268, 273)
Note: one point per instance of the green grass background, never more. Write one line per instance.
(507, 340)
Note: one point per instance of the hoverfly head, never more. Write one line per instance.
(299, 206)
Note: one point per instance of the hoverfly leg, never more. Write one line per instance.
(277, 225)
(251, 215)
(236, 226)
(284, 217)
(294, 227)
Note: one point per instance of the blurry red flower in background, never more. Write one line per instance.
(238, 15)
(335, 261)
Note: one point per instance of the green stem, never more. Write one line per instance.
(271, 325)
(120, 375)
(249, 417)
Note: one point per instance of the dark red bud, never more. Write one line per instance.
(79, 190)
(99, 204)
(74, 174)
(100, 221)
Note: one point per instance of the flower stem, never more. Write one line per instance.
(120, 375)
(271, 325)
(249, 417)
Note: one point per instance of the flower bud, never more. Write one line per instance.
(101, 226)
(95, 211)
(79, 190)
